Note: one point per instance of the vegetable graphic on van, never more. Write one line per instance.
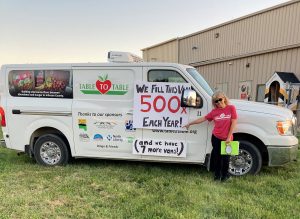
(103, 85)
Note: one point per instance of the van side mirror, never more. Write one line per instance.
(189, 98)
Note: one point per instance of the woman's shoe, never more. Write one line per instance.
(225, 178)
(217, 178)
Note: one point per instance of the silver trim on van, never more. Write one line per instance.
(44, 113)
(281, 155)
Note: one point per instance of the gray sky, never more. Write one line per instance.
(45, 31)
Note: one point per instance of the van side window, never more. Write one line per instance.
(165, 76)
(170, 76)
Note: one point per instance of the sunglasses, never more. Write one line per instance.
(218, 100)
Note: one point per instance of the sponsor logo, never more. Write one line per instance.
(129, 126)
(84, 137)
(103, 86)
(105, 125)
(115, 138)
(109, 137)
(82, 124)
(98, 137)
(130, 139)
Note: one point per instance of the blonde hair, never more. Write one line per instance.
(219, 93)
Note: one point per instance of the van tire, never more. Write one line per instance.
(51, 150)
(249, 160)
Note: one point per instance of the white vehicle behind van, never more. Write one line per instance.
(131, 111)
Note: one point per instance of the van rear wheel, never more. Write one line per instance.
(249, 160)
(51, 150)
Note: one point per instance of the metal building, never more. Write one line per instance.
(244, 52)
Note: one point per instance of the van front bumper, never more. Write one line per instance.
(279, 155)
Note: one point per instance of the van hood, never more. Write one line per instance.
(264, 108)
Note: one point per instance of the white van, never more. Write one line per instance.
(131, 111)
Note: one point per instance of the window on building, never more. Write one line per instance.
(260, 92)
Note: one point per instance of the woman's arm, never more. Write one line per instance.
(197, 121)
(232, 127)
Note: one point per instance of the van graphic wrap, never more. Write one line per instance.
(84, 137)
(40, 83)
(103, 86)
(82, 124)
(98, 137)
(129, 126)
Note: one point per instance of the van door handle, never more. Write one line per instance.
(130, 112)
(14, 111)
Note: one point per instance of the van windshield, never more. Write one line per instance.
(200, 80)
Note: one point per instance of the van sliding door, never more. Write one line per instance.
(102, 111)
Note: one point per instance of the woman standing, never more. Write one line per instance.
(225, 118)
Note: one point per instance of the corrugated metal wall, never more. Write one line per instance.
(272, 29)
(166, 52)
(261, 68)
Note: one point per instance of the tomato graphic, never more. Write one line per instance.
(103, 85)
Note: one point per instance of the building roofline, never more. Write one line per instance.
(159, 44)
(227, 22)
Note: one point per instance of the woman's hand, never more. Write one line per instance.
(197, 121)
(186, 126)
(228, 140)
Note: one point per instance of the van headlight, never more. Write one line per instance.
(295, 123)
(285, 127)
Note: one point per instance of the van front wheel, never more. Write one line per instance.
(51, 150)
(249, 160)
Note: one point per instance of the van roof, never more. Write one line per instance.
(72, 65)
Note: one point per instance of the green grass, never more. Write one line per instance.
(119, 189)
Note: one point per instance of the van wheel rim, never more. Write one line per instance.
(241, 164)
(50, 153)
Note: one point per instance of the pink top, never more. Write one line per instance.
(222, 118)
